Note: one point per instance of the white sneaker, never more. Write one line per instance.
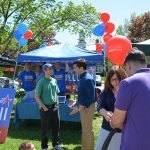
(57, 147)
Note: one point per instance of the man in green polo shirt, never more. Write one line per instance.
(46, 96)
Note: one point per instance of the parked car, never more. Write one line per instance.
(14, 83)
(2, 80)
(98, 80)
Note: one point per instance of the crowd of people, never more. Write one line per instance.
(124, 103)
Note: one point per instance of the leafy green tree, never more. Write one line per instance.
(137, 29)
(123, 29)
(120, 30)
(43, 17)
(1, 71)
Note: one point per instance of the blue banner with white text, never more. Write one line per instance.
(6, 103)
(72, 78)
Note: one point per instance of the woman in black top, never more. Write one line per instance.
(106, 107)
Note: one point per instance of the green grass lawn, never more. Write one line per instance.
(70, 134)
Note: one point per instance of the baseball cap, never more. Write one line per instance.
(45, 66)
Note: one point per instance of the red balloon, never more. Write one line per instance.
(109, 27)
(107, 37)
(49, 44)
(28, 34)
(99, 48)
(117, 49)
(104, 17)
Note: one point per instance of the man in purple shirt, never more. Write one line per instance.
(132, 106)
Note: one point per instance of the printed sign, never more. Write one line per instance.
(72, 78)
(71, 81)
(6, 103)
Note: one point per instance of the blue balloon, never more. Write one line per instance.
(45, 43)
(23, 41)
(17, 34)
(99, 30)
(103, 25)
(22, 28)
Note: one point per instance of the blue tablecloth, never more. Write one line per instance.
(26, 110)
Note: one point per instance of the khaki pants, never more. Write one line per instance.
(86, 115)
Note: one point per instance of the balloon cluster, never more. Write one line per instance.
(22, 34)
(45, 44)
(104, 29)
(116, 47)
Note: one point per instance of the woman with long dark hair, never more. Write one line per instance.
(106, 107)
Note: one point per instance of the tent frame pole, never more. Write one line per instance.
(16, 64)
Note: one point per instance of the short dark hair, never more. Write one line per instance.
(135, 56)
(80, 63)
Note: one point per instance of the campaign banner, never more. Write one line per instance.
(71, 81)
(6, 103)
(72, 78)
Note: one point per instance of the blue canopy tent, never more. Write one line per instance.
(60, 53)
(56, 53)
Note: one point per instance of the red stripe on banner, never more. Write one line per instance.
(71, 88)
(3, 134)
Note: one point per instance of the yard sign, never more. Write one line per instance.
(6, 103)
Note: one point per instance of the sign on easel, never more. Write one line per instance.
(6, 103)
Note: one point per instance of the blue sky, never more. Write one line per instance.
(119, 10)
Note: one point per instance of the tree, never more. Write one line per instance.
(13, 12)
(120, 30)
(43, 17)
(137, 29)
(123, 29)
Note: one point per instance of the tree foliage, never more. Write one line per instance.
(43, 17)
(120, 30)
(137, 29)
